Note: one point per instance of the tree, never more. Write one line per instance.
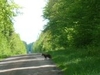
(8, 9)
(71, 23)
(16, 45)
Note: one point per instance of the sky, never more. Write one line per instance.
(30, 23)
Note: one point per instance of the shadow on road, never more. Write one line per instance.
(33, 64)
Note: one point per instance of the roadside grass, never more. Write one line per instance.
(4, 56)
(78, 61)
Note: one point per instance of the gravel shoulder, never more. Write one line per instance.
(31, 64)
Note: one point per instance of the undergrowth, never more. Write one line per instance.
(73, 61)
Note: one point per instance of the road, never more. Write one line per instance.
(31, 64)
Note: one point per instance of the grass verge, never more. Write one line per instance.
(78, 61)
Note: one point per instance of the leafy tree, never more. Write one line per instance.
(16, 45)
(8, 9)
(4, 46)
(70, 23)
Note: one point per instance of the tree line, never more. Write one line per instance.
(10, 42)
(71, 23)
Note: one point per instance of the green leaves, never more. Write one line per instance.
(8, 9)
(16, 45)
(71, 23)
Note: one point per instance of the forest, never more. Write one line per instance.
(10, 42)
(72, 35)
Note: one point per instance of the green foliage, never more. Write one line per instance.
(85, 21)
(4, 47)
(16, 45)
(72, 24)
(78, 61)
(43, 43)
(10, 43)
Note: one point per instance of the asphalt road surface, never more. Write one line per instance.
(31, 64)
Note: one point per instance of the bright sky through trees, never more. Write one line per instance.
(30, 23)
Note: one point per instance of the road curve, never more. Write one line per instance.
(31, 64)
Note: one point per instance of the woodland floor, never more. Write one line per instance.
(31, 64)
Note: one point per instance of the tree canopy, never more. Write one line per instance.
(71, 23)
(10, 42)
